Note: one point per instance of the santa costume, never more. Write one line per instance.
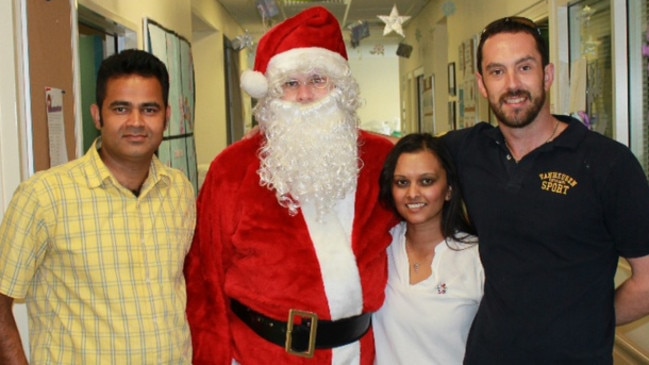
(270, 286)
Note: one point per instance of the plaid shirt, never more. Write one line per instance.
(100, 269)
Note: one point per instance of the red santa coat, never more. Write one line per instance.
(247, 247)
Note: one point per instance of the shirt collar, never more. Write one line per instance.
(99, 175)
(570, 138)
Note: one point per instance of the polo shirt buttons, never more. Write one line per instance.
(509, 156)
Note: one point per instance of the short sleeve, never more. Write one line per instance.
(626, 206)
(23, 241)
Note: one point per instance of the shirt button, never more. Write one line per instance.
(509, 157)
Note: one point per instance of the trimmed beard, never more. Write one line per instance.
(523, 117)
(310, 153)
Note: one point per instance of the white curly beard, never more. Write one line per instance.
(310, 154)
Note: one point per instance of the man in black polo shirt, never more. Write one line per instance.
(555, 206)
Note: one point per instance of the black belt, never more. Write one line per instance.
(302, 339)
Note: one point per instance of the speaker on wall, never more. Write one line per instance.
(404, 50)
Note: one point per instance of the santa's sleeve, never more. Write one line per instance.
(204, 273)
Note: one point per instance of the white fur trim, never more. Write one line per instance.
(332, 241)
(254, 83)
(306, 58)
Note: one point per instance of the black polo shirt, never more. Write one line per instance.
(551, 229)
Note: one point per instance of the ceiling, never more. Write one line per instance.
(348, 12)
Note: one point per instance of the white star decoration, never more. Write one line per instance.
(393, 22)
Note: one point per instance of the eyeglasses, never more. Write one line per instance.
(313, 82)
(508, 24)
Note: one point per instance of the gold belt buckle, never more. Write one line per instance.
(312, 333)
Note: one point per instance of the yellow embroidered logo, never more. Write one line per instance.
(557, 182)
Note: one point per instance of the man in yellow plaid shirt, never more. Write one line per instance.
(96, 246)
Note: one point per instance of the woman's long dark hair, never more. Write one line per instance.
(454, 217)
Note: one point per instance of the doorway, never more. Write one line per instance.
(98, 39)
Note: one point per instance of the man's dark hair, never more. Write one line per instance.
(513, 24)
(131, 62)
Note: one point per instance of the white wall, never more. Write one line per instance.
(209, 63)
(378, 78)
(10, 145)
(210, 127)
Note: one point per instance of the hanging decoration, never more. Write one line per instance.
(418, 35)
(448, 8)
(378, 49)
(267, 9)
(359, 31)
(242, 41)
(393, 22)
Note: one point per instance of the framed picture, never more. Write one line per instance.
(460, 58)
(468, 56)
(452, 88)
(427, 102)
(452, 120)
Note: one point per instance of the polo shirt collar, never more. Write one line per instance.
(570, 138)
(573, 135)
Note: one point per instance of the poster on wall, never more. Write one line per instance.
(452, 122)
(470, 113)
(460, 59)
(452, 88)
(55, 126)
(178, 148)
(460, 104)
(468, 57)
(428, 106)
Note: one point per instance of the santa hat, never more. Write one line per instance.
(311, 38)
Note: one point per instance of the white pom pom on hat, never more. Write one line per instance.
(314, 30)
(254, 83)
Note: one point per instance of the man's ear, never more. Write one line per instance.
(167, 117)
(96, 115)
(548, 76)
(481, 87)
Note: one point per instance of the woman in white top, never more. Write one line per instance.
(435, 278)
